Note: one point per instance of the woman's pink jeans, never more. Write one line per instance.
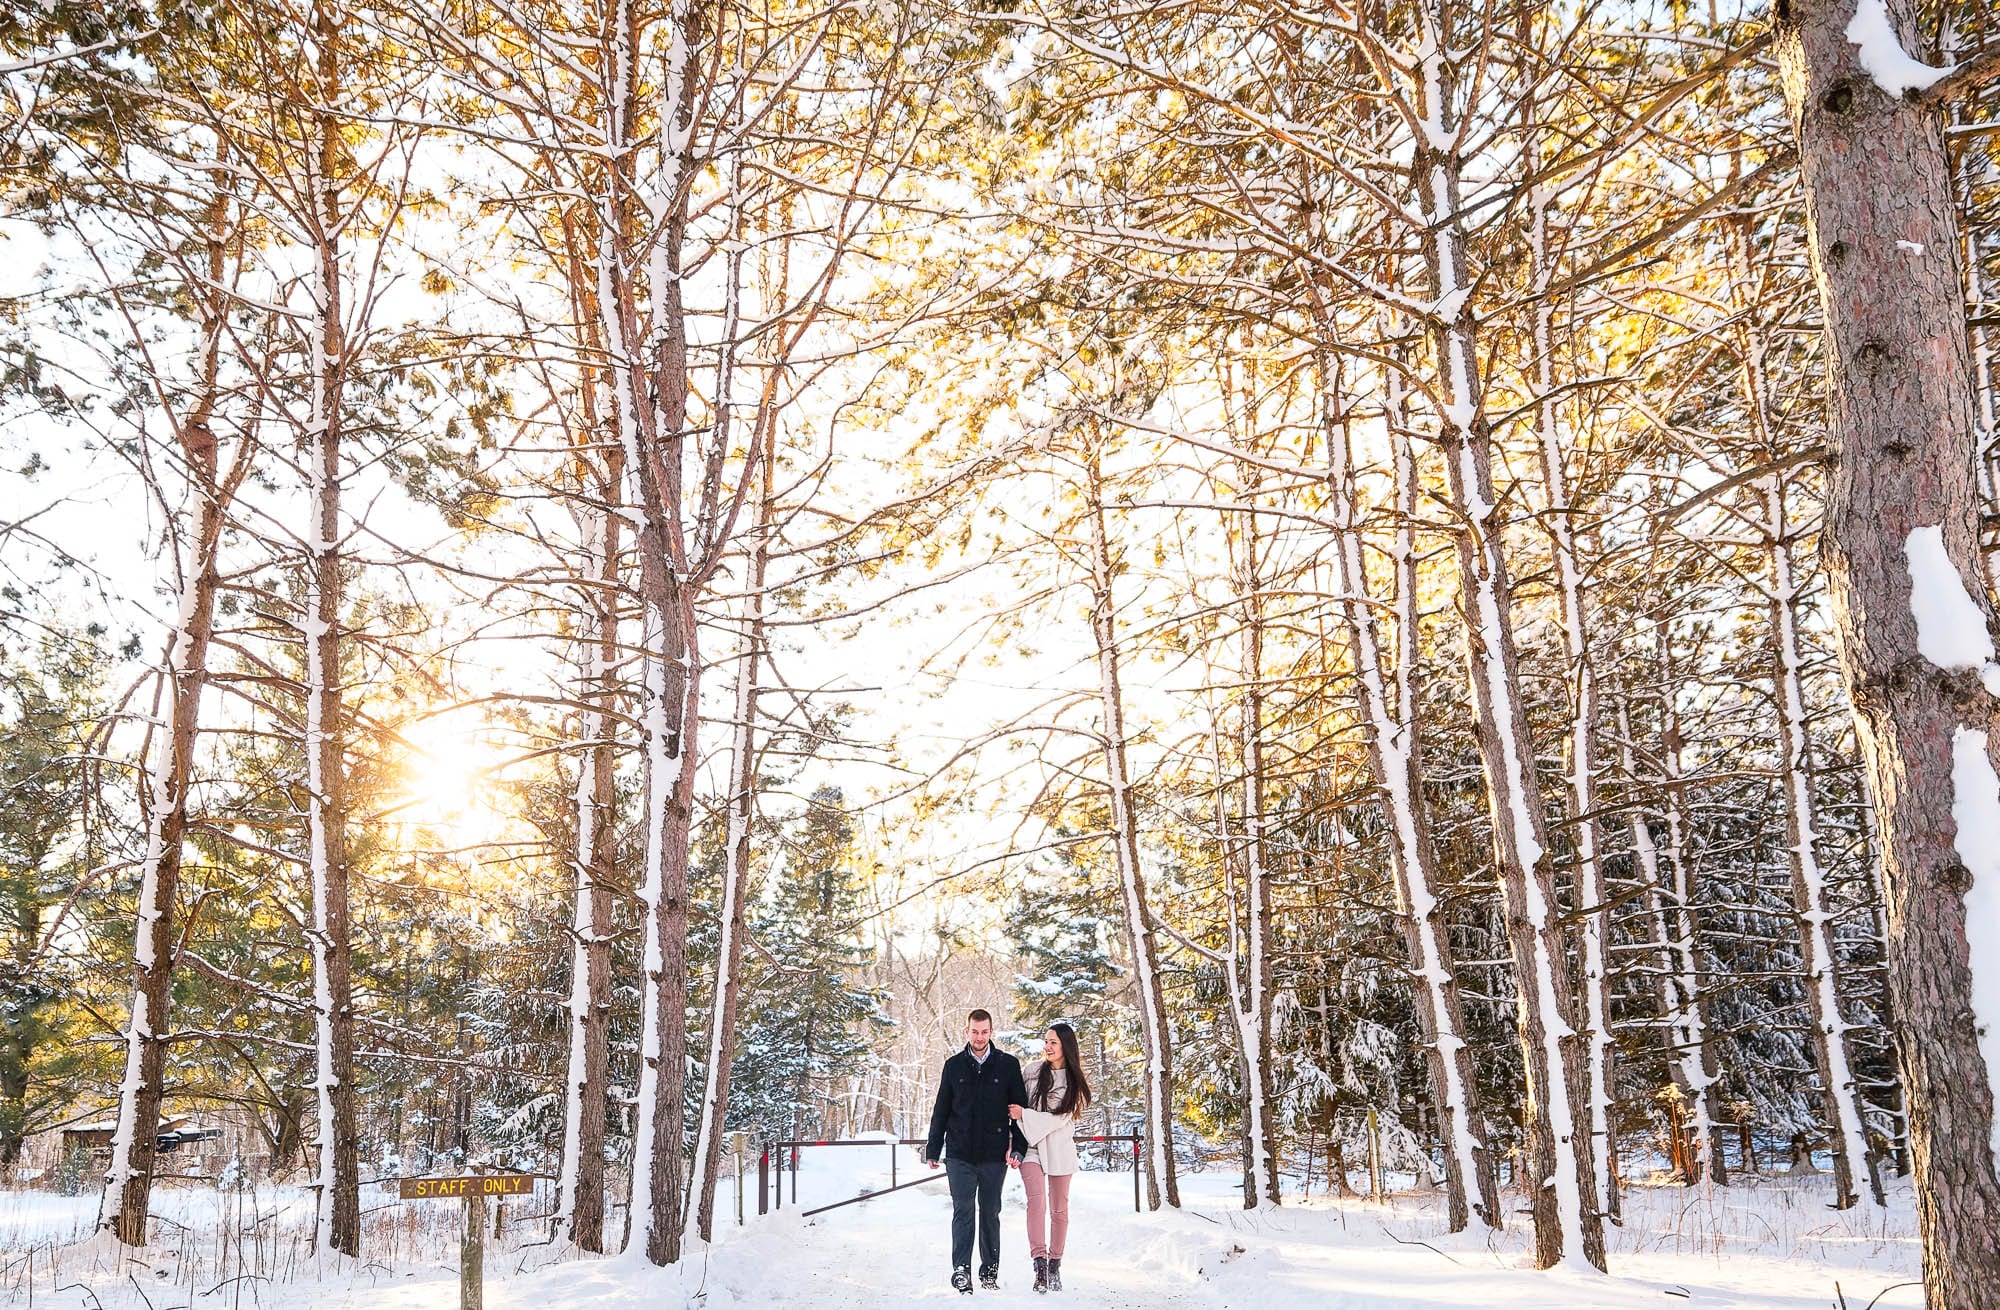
(1048, 1211)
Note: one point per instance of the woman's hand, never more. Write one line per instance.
(1013, 1112)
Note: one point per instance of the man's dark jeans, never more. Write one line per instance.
(966, 1181)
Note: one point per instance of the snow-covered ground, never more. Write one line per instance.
(1770, 1246)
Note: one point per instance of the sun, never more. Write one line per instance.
(450, 769)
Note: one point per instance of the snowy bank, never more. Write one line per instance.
(1772, 1245)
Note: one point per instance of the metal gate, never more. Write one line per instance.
(784, 1157)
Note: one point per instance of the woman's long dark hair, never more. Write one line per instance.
(1076, 1088)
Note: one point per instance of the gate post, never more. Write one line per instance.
(1135, 1173)
(764, 1181)
(736, 1148)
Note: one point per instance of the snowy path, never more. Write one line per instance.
(897, 1250)
(1774, 1248)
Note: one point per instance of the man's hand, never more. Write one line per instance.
(1014, 1112)
(1013, 1161)
(931, 1161)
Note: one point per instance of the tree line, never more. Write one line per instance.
(1489, 509)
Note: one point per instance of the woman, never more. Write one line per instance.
(1057, 1095)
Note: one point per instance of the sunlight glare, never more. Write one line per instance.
(450, 766)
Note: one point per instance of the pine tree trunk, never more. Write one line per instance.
(1687, 926)
(184, 680)
(1594, 920)
(1884, 238)
(1149, 996)
(1811, 898)
(1690, 1062)
(727, 990)
(645, 343)
(580, 1192)
(339, 1226)
(665, 729)
(580, 1180)
(1253, 989)
(1395, 755)
(1560, 1159)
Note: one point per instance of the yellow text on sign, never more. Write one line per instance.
(459, 1189)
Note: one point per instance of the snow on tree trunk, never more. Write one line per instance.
(1690, 1062)
(1560, 1160)
(1811, 900)
(608, 398)
(170, 770)
(183, 678)
(650, 390)
(1261, 1182)
(1594, 919)
(667, 706)
(580, 1175)
(338, 1172)
(714, 1107)
(1251, 976)
(1157, 1078)
(1395, 756)
(1909, 598)
(1681, 870)
(1811, 897)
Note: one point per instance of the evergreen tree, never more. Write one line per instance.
(1064, 927)
(1062, 939)
(806, 1022)
(47, 711)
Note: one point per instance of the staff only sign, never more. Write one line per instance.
(472, 1189)
(460, 1189)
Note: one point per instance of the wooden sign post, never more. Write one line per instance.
(473, 1191)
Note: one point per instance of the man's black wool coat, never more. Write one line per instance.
(970, 1121)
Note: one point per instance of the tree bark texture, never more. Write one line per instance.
(646, 349)
(1594, 918)
(1690, 1059)
(1884, 235)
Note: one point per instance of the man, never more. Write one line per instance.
(971, 1129)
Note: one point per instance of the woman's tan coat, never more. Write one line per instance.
(1051, 1137)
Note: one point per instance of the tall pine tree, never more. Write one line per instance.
(806, 1020)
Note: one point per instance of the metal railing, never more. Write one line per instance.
(782, 1154)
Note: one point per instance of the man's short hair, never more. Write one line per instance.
(979, 1016)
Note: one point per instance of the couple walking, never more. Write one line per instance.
(989, 1118)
